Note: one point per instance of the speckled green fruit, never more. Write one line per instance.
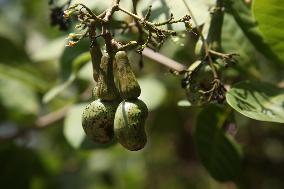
(97, 120)
(128, 84)
(129, 124)
(105, 87)
(201, 80)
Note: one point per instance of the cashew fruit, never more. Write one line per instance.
(201, 80)
(97, 120)
(129, 124)
(96, 56)
(128, 85)
(105, 88)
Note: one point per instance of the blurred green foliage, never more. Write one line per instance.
(42, 144)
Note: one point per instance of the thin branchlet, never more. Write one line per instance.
(150, 34)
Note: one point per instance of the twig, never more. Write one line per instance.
(105, 31)
(139, 27)
(222, 55)
(150, 26)
(41, 123)
(194, 21)
(206, 46)
(52, 117)
(164, 60)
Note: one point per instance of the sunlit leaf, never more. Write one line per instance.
(51, 51)
(18, 98)
(153, 92)
(243, 16)
(56, 90)
(86, 72)
(270, 18)
(23, 76)
(69, 56)
(78, 63)
(73, 130)
(257, 100)
(219, 153)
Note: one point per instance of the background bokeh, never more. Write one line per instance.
(42, 144)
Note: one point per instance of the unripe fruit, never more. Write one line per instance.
(202, 78)
(128, 84)
(129, 124)
(96, 56)
(97, 120)
(105, 88)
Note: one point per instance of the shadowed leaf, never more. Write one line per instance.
(218, 152)
(270, 18)
(260, 101)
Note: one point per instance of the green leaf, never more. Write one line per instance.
(73, 130)
(23, 76)
(218, 152)
(243, 16)
(18, 99)
(234, 41)
(77, 64)
(56, 90)
(86, 72)
(257, 100)
(7, 31)
(70, 55)
(80, 61)
(270, 18)
(51, 51)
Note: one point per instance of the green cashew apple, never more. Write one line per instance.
(96, 56)
(105, 88)
(128, 84)
(202, 78)
(129, 124)
(97, 120)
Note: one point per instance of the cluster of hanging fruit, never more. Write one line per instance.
(117, 112)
